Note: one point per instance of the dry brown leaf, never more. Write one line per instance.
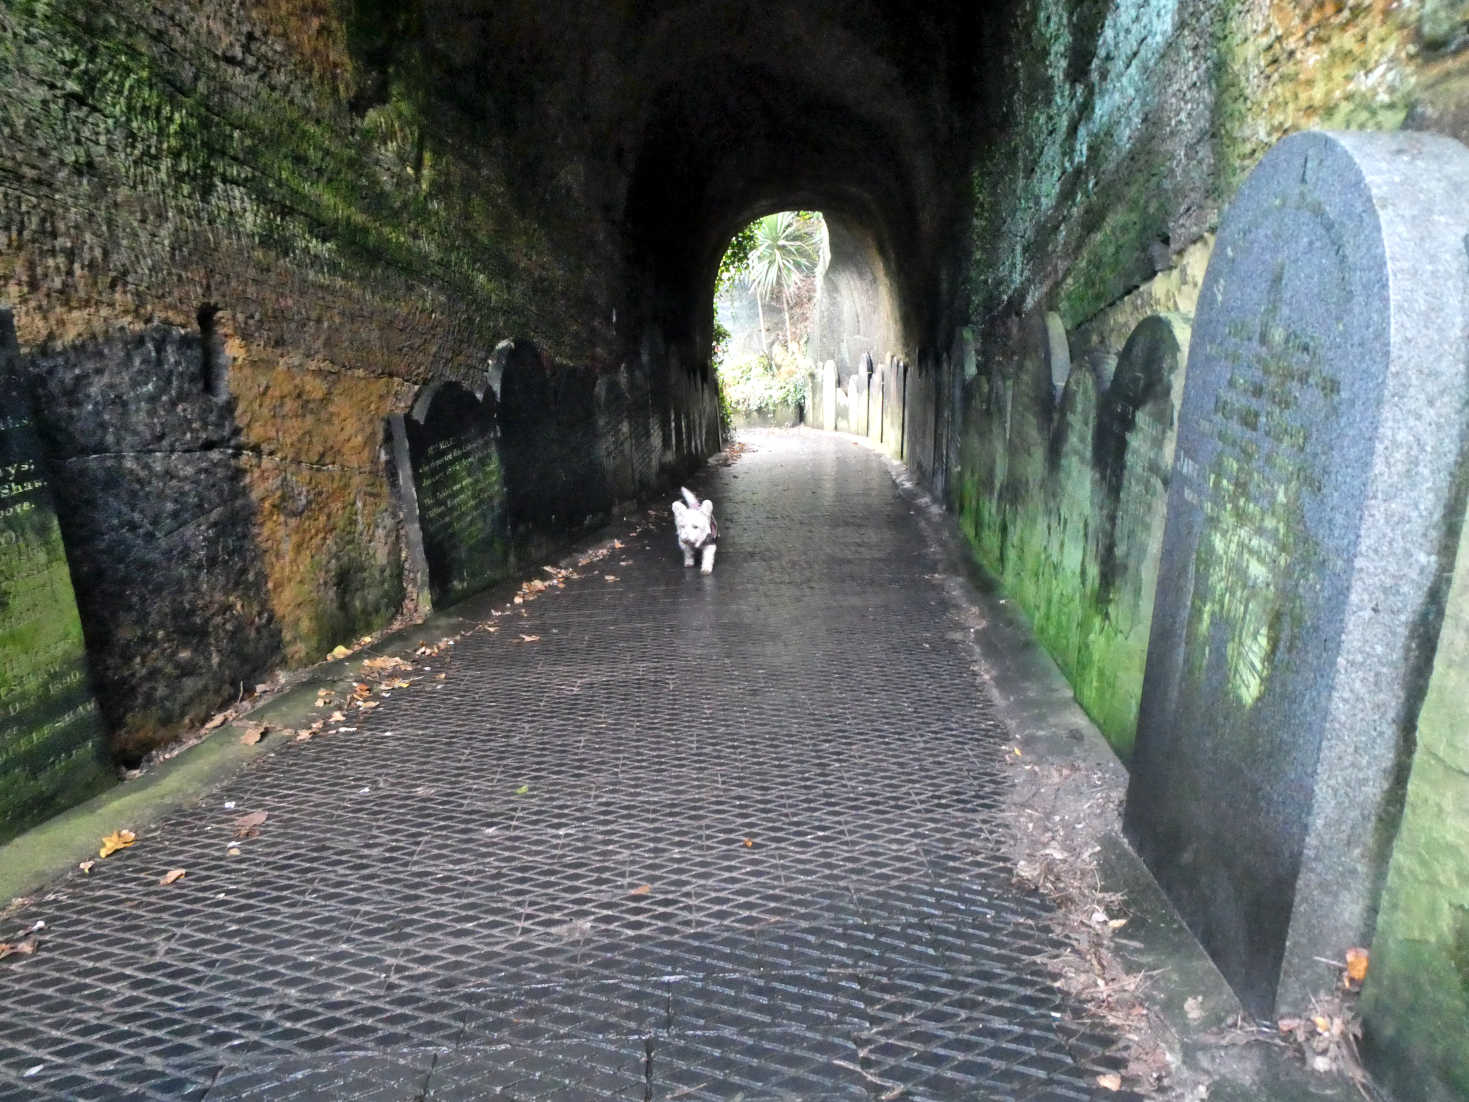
(1110, 1081)
(215, 721)
(749, 843)
(386, 662)
(338, 717)
(118, 839)
(248, 826)
(253, 734)
(530, 638)
(86, 866)
(362, 690)
(173, 875)
(304, 736)
(1356, 965)
(233, 851)
(18, 948)
(609, 577)
(641, 889)
(367, 705)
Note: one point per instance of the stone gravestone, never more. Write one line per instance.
(52, 750)
(1316, 488)
(451, 483)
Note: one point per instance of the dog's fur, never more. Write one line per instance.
(697, 531)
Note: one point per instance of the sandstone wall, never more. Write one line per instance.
(1129, 126)
(235, 238)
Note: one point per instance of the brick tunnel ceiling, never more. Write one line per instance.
(714, 113)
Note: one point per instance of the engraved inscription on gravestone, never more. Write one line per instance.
(1296, 612)
(451, 442)
(51, 735)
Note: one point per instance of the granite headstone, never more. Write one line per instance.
(1316, 488)
(454, 487)
(52, 744)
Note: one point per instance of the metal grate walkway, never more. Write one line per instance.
(705, 838)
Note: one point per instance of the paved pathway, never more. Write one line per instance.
(726, 837)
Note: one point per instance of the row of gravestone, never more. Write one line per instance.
(1061, 481)
(1246, 563)
(537, 455)
(869, 403)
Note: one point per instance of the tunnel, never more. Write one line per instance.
(321, 320)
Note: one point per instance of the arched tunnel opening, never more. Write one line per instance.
(323, 323)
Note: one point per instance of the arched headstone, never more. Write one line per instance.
(453, 486)
(1318, 470)
(52, 751)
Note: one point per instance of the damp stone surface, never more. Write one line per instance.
(1309, 542)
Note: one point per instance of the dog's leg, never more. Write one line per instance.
(708, 567)
(688, 554)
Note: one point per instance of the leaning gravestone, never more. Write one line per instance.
(1316, 488)
(453, 485)
(52, 751)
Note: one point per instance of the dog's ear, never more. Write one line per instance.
(678, 508)
(707, 508)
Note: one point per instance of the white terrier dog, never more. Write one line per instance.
(696, 529)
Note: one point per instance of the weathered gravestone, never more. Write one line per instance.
(1316, 492)
(52, 751)
(452, 489)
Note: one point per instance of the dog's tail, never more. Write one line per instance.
(690, 498)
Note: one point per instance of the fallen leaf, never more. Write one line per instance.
(337, 717)
(749, 843)
(367, 705)
(173, 875)
(386, 662)
(253, 734)
(1111, 1081)
(233, 851)
(86, 866)
(641, 889)
(522, 790)
(1193, 1006)
(609, 577)
(119, 839)
(530, 638)
(1356, 965)
(215, 721)
(339, 652)
(304, 736)
(18, 949)
(1117, 923)
(248, 826)
(362, 690)
(1322, 1023)
(1289, 1025)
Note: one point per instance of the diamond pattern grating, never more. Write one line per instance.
(706, 838)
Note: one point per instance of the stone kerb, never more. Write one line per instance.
(451, 487)
(52, 742)
(1301, 578)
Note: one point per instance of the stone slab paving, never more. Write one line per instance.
(705, 838)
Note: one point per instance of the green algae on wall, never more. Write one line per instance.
(1416, 1000)
(1065, 505)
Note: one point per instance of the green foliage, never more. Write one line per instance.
(732, 264)
(764, 382)
(785, 249)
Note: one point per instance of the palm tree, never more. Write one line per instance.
(784, 251)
